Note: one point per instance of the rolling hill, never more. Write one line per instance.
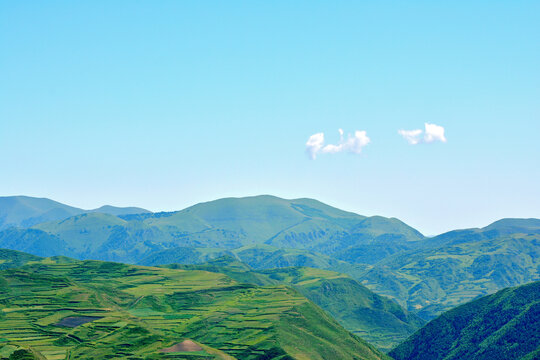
(374, 318)
(232, 223)
(459, 266)
(26, 211)
(90, 309)
(505, 325)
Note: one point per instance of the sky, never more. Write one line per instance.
(425, 111)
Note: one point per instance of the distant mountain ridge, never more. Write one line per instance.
(26, 211)
(231, 223)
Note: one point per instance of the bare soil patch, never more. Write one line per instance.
(184, 346)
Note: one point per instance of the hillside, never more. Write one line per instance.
(457, 267)
(424, 275)
(374, 318)
(94, 309)
(505, 326)
(12, 259)
(232, 223)
(26, 211)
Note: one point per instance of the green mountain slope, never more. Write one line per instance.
(94, 309)
(26, 211)
(505, 326)
(457, 267)
(376, 319)
(34, 241)
(232, 223)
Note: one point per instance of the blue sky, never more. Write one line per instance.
(169, 103)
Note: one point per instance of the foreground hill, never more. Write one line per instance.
(374, 318)
(55, 309)
(459, 266)
(505, 326)
(26, 211)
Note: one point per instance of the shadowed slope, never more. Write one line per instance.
(505, 326)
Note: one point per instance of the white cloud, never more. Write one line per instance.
(353, 144)
(314, 145)
(432, 133)
(412, 136)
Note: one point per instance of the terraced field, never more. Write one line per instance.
(96, 310)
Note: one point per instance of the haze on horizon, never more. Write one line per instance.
(424, 112)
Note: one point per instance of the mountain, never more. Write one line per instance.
(232, 223)
(25, 211)
(119, 211)
(459, 266)
(427, 276)
(96, 310)
(505, 325)
(374, 318)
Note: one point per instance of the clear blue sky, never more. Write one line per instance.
(163, 104)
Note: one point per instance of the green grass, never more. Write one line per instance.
(464, 266)
(144, 309)
(376, 319)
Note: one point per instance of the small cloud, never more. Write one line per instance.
(353, 144)
(412, 136)
(432, 133)
(314, 145)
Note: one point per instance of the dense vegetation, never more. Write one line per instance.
(426, 276)
(58, 308)
(504, 326)
(459, 266)
(376, 319)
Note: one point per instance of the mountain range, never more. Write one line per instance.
(425, 275)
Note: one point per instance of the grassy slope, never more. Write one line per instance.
(505, 325)
(145, 309)
(376, 319)
(12, 259)
(464, 266)
(232, 223)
